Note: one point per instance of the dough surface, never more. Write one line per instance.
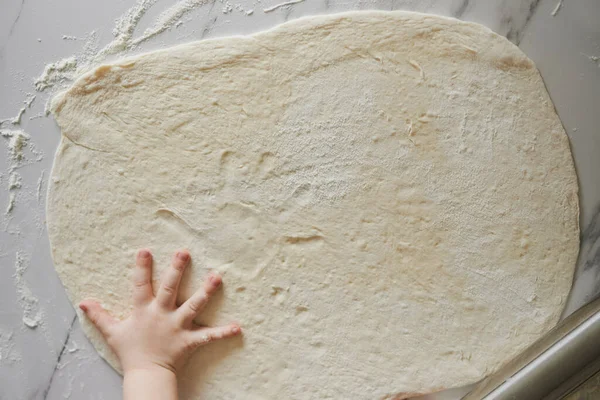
(390, 198)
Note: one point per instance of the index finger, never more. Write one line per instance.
(167, 292)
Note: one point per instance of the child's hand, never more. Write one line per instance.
(158, 334)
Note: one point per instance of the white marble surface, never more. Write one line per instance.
(54, 360)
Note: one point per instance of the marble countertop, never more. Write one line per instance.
(51, 358)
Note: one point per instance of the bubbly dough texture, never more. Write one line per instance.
(390, 197)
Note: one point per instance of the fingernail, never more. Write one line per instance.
(236, 329)
(83, 307)
(183, 255)
(144, 253)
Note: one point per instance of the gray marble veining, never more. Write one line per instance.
(14, 23)
(59, 358)
(55, 360)
(588, 266)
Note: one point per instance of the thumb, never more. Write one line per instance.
(98, 315)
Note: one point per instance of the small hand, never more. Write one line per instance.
(158, 334)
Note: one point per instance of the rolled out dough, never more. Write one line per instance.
(390, 198)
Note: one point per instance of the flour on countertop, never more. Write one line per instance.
(32, 316)
(38, 116)
(124, 29)
(557, 8)
(227, 8)
(8, 354)
(56, 72)
(22, 152)
(288, 3)
(17, 140)
(30, 100)
(64, 71)
(73, 348)
(12, 197)
(168, 18)
(594, 59)
(17, 119)
(40, 185)
(15, 181)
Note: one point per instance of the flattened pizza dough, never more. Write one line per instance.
(390, 198)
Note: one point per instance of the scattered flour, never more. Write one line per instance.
(90, 49)
(40, 185)
(14, 181)
(8, 354)
(227, 8)
(124, 28)
(30, 322)
(31, 314)
(287, 3)
(17, 120)
(38, 115)
(239, 8)
(57, 72)
(29, 101)
(66, 70)
(557, 8)
(17, 140)
(73, 348)
(11, 203)
(168, 18)
(594, 59)
(62, 72)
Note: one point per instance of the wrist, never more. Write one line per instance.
(149, 369)
(149, 381)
